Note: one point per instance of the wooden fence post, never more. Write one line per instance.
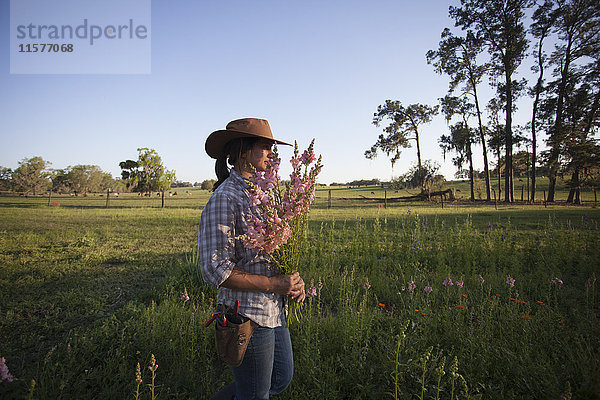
(495, 199)
(162, 199)
(50, 197)
(442, 198)
(544, 199)
(329, 199)
(107, 196)
(385, 199)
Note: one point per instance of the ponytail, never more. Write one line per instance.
(231, 153)
(221, 170)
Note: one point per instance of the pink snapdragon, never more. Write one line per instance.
(278, 213)
(4, 374)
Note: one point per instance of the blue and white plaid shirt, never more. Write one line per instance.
(221, 224)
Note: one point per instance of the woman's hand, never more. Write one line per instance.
(291, 285)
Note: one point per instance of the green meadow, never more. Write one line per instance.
(88, 292)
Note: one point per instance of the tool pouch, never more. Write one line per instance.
(233, 336)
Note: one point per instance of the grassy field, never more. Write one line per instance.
(87, 293)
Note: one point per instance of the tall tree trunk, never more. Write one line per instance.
(418, 150)
(488, 191)
(574, 191)
(499, 175)
(508, 181)
(538, 90)
(556, 134)
(471, 177)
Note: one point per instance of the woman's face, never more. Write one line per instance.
(260, 155)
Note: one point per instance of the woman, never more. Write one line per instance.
(241, 273)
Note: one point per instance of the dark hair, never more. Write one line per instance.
(231, 152)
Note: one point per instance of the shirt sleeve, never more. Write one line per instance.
(216, 239)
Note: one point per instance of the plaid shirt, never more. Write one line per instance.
(221, 223)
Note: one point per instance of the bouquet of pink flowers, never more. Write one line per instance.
(279, 228)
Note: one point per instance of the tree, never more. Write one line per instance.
(543, 19)
(496, 134)
(60, 181)
(148, 173)
(129, 173)
(32, 175)
(457, 57)
(404, 126)
(424, 177)
(582, 153)
(207, 184)
(498, 24)
(576, 23)
(85, 178)
(5, 178)
(461, 135)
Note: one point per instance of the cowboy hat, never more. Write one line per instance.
(245, 127)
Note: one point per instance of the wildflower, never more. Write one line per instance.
(184, 295)
(428, 289)
(423, 314)
(525, 317)
(366, 285)
(311, 292)
(512, 299)
(153, 365)
(498, 295)
(4, 374)
(541, 303)
(411, 286)
(480, 279)
(460, 284)
(381, 305)
(510, 281)
(464, 295)
(460, 307)
(138, 374)
(561, 323)
(557, 281)
(448, 282)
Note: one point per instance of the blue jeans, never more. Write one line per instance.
(268, 365)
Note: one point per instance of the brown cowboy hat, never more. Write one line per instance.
(245, 127)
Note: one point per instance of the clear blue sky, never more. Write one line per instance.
(314, 69)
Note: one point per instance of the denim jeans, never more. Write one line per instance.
(268, 365)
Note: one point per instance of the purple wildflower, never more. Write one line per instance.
(448, 282)
(510, 281)
(4, 374)
(411, 286)
(428, 289)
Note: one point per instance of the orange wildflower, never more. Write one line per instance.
(525, 317)
(464, 295)
(460, 307)
(423, 314)
(381, 305)
(541, 303)
(513, 299)
(561, 323)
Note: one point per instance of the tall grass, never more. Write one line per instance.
(372, 331)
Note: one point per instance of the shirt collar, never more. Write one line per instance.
(238, 178)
